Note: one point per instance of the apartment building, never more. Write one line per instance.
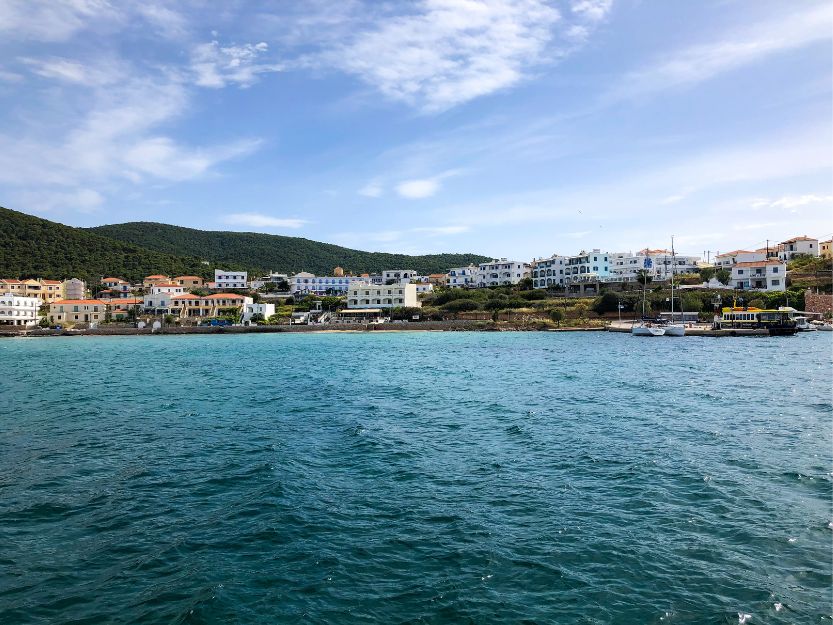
(18, 310)
(368, 296)
(761, 275)
(501, 272)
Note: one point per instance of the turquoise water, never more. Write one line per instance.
(415, 478)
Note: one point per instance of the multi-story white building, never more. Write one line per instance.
(548, 272)
(462, 277)
(586, 267)
(727, 259)
(798, 246)
(230, 279)
(308, 283)
(398, 276)
(366, 295)
(167, 287)
(761, 275)
(501, 272)
(18, 310)
(73, 289)
(423, 287)
(659, 264)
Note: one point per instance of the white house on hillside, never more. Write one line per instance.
(460, 277)
(798, 246)
(500, 272)
(761, 275)
(727, 259)
(230, 279)
(398, 276)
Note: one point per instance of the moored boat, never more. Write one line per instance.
(779, 322)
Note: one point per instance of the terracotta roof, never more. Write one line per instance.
(11, 281)
(112, 280)
(168, 284)
(801, 238)
(89, 302)
(156, 275)
(735, 253)
(186, 296)
(827, 241)
(758, 263)
(188, 278)
(224, 296)
(647, 252)
(50, 282)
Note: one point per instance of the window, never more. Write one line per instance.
(776, 283)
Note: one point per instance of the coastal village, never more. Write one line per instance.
(589, 289)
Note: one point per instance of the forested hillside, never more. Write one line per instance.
(31, 247)
(274, 252)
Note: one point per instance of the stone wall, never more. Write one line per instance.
(818, 302)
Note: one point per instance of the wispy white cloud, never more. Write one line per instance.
(420, 188)
(73, 71)
(591, 10)
(45, 200)
(372, 189)
(792, 201)
(441, 230)
(217, 66)
(51, 20)
(447, 52)
(259, 220)
(800, 25)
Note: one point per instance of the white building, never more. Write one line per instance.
(798, 246)
(365, 295)
(73, 289)
(586, 267)
(423, 287)
(230, 279)
(167, 287)
(308, 283)
(252, 309)
(462, 277)
(398, 276)
(18, 310)
(761, 275)
(501, 272)
(659, 264)
(548, 272)
(727, 259)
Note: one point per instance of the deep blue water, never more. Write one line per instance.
(416, 478)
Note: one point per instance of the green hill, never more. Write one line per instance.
(31, 247)
(264, 252)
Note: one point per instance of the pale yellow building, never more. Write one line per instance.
(825, 250)
(77, 311)
(189, 282)
(155, 279)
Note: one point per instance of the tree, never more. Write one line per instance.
(723, 276)
(257, 318)
(557, 315)
(643, 277)
(460, 305)
(608, 302)
(581, 309)
(525, 284)
(269, 287)
(706, 273)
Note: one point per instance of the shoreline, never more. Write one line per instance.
(430, 326)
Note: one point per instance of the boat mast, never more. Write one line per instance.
(672, 278)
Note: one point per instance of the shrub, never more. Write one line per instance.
(460, 305)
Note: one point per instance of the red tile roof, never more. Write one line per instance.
(88, 302)
(224, 296)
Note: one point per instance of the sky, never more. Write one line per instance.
(509, 128)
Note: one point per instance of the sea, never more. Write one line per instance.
(416, 477)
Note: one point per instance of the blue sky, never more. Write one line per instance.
(516, 128)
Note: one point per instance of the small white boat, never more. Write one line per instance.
(802, 325)
(674, 329)
(822, 326)
(646, 329)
